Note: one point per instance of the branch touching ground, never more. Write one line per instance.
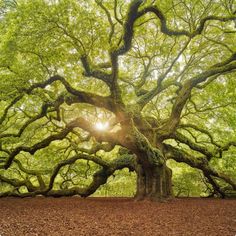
(99, 177)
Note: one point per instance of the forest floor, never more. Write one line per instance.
(116, 216)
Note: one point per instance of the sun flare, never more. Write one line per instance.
(102, 126)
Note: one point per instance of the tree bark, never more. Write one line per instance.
(154, 183)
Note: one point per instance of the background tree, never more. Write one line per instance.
(117, 84)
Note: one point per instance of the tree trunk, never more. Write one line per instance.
(154, 183)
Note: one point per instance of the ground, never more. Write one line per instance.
(116, 216)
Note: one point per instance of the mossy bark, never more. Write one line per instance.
(154, 183)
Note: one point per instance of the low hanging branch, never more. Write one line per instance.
(99, 178)
(44, 143)
(200, 163)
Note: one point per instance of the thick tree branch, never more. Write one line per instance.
(185, 92)
(204, 150)
(99, 178)
(5, 111)
(98, 74)
(81, 96)
(215, 186)
(201, 130)
(18, 183)
(200, 163)
(44, 110)
(166, 30)
(78, 96)
(44, 143)
(128, 28)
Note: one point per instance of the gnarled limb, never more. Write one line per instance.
(185, 92)
(44, 143)
(75, 96)
(98, 74)
(166, 30)
(200, 163)
(99, 178)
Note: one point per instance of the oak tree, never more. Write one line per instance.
(121, 84)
